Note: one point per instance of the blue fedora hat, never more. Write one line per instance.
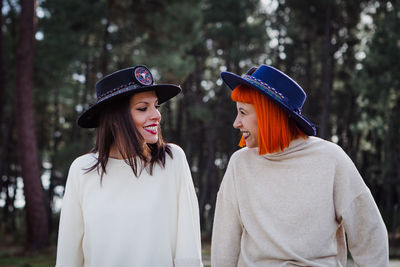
(278, 87)
(123, 83)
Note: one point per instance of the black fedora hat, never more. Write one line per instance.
(278, 87)
(124, 83)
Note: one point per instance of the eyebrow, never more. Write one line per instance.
(145, 102)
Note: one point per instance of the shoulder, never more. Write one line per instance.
(79, 168)
(325, 147)
(176, 150)
(243, 154)
(333, 153)
(83, 162)
(319, 142)
(178, 163)
(242, 159)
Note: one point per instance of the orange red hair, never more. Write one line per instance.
(275, 129)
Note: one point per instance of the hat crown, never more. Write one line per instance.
(283, 84)
(140, 76)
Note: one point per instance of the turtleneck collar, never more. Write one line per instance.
(295, 145)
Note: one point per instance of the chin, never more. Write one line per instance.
(151, 141)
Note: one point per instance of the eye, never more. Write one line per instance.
(157, 106)
(142, 109)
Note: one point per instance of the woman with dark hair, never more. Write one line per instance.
(131, 200)
(290, 198)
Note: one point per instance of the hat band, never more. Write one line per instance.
(270, 90)
(118, 90)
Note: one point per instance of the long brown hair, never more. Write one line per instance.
(275, 128)
(116, 126)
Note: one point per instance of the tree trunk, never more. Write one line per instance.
(2, 69)
(37, 223)
(7, 182)
(326, 72)
(308, 108)
(54, 149)
(211, 181)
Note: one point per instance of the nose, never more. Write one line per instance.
(155, 115)
(237, 123)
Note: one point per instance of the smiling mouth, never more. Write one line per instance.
(245, 135)
(151, 129)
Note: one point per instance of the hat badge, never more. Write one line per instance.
(143, 76)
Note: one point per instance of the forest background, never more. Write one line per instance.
(345, 54)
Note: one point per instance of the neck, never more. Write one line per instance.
(116, 154)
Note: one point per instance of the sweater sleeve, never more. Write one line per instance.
(366, 232)
(356, 209)
(188, 240)
(227, 227)
(69, 247)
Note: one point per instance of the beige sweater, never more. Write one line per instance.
(293, 208)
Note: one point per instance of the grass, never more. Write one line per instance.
(206, 253)
(13, 256)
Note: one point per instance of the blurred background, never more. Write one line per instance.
(345, 54)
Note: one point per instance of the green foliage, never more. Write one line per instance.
(171, 33)
(236, 31)
(378, 91)
(190, 43)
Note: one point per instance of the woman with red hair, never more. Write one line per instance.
(290, 198)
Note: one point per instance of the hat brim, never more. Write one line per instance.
(234, 80)
(89, 118)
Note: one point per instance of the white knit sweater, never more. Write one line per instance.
(293, 208)
(150, 221)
